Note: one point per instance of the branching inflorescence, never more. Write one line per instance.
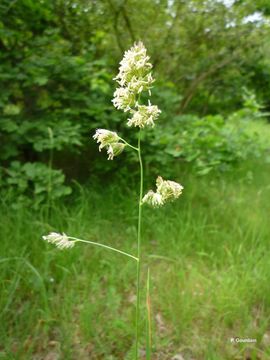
(134, 78)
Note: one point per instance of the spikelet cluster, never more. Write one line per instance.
(167, 190)
(144, 116)
(60, 240)
(109, 140)
(134, 77)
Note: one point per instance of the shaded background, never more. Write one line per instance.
(58, 59)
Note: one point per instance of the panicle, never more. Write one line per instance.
(60, 240)
(135, 64)
(134, 77)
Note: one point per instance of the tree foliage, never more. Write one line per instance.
(58, 59)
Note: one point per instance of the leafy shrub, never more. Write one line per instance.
(34, 183)
(54, 88)
(211, 142)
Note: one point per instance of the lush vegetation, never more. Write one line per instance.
(58, 59)
(209, 253)
(209, 277)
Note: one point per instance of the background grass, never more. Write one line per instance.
(209, 260)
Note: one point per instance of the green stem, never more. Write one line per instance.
(139, 249)
(132, 147)
(148, 322)
(104, 246)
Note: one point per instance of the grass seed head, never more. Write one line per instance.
(60, 240)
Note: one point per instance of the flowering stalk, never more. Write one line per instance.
(134, 77)
(62, 241)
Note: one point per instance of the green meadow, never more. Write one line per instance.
(209, 262)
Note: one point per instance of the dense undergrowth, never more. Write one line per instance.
(209, 266)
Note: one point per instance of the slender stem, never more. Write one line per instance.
(148, 323)
(132, 147)
(104, 246)
(139, 249)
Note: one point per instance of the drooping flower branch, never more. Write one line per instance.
(105, 138)
(63, 241)
(109, 140)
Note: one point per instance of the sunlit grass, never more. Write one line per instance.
(209, 260)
